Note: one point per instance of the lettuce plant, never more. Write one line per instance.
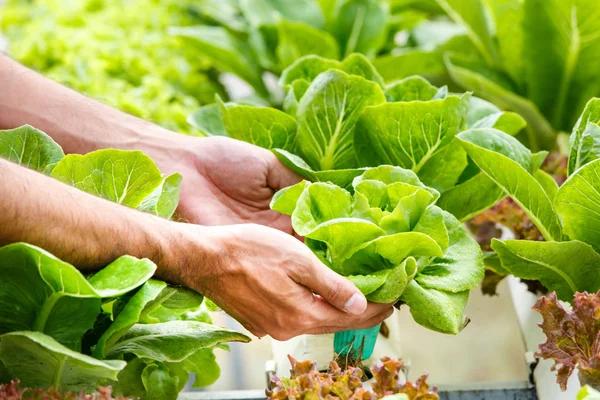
(271, 35)
(389, 238)
(340, 116)
(534, 57)
(118, 326)
(566, 216)
(572, 338)
(306, 382)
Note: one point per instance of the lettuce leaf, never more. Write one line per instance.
(386, 237)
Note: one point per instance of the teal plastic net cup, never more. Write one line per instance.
(345, 341)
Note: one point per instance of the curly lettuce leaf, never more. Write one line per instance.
(408, 134)
(309, 67)
(572, 337)
(386, 235)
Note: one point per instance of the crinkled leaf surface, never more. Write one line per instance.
(30, 147)
(387, 235)
(408, 134)
(461, 266)
(263, 126)
(572, 336)
(125, 177)
(434, 309)
(327, 115)
(443, 170)
(410, 89)
(309, 67)
(40, 361)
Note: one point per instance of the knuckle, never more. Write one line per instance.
(335, 290)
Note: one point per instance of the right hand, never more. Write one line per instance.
(270, 282)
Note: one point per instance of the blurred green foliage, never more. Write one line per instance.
(115, 51)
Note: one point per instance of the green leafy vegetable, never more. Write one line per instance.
(263, 126)
(54, 316)
(40, 361)
(391, 241)
(117, 54)
(566, 216)
(585, 139)
(327, 114)
(30, 147)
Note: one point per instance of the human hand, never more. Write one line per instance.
(225, 181)
(265, 279)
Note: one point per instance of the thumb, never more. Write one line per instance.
(279, 176)
(334, 288)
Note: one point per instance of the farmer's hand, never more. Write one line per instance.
(265, 279)
(225, 181)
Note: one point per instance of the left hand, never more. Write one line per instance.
(226, 181)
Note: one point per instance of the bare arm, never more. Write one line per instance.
(85, 230)
(262, 277)
(225, 181)
(79, 124)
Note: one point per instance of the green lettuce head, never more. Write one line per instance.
(389, 238)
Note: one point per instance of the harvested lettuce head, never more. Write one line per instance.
(390, 239)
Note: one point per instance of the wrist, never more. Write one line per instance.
(189, 254)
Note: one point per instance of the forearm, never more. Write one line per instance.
(77, 123)
(77, 227)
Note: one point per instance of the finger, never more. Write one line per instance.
(279, 176)
(324, 314)
(334, 288)
(371, 322)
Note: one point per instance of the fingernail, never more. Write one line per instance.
(357, 304)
